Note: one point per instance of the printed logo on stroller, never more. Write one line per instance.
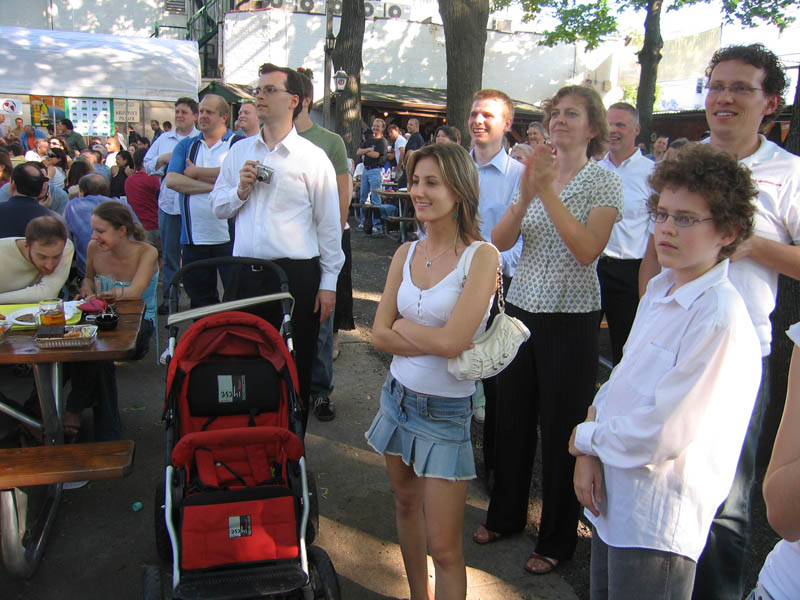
(231, 388)
(239, 526)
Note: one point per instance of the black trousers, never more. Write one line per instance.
(619, 292)
(551, 383)
(304, 277)
(201, 284)
(490, 392)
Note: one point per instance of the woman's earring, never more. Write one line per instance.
(455, 214)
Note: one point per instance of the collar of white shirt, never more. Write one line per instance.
(499, 161)
(289, 141)
(689, 292)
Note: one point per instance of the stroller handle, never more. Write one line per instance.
(212, 309)
(231, 260)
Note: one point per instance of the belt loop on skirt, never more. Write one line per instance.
(397, 393)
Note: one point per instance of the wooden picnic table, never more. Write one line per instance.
(405, 210)
(24, 530)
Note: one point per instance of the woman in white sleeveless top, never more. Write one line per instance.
(431, 309)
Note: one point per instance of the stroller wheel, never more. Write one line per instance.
(324, 582)
(151, 583)
(163, 544)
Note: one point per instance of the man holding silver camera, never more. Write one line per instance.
(287, 212)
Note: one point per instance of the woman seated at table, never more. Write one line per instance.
(118, 255)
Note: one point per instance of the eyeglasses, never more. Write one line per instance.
(737, 89)
(269, 90)
(679, 220)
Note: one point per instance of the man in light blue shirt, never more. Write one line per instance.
(498, 175)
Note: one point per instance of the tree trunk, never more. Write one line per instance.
(465, 43)
(347, 56)
(793, 139)
(649, 57)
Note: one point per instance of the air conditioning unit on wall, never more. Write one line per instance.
(397, 11)
(502, 25)
(316, 7)
(373, 10)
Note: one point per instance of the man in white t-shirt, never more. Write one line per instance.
(398, 144)
(618, 267)
(193, 169)
(745, 89)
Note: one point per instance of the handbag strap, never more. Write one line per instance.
(468, 254)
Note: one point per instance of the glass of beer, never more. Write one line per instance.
(105, 287)
(51, 312)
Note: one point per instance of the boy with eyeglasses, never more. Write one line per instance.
(745, 94)
(658, 450)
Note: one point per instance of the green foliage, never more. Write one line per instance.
(592, 21)
(629, 93)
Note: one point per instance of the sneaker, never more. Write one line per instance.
(361, 227)
(479, 414)
(323, 408)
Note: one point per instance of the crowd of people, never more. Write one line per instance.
(680, 250)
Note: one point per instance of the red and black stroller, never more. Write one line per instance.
(236, 515)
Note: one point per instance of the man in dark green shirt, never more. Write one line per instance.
(327, 342)
(75, 141)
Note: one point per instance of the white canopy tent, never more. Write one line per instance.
(89, 65)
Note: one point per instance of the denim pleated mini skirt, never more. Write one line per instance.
(430, 433)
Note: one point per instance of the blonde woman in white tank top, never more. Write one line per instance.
(425, 317)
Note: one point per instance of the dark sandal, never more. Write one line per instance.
(550, 564)
(491, 536)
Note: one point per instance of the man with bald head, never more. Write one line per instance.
(192, 171)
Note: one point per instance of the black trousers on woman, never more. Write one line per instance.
(551, 383)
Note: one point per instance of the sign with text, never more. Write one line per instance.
(90, 116)
(129, 111)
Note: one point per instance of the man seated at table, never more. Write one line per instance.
(35, 267)
(27, 185)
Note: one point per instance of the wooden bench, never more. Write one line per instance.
(43, 465)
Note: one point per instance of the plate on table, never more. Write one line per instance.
(26, 317)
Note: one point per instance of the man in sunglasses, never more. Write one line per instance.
(281, 190)
(745, 94)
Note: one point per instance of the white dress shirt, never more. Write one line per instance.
(295, 216)
(629, 236)
(168, 200)
(499, 181)
(672, 418)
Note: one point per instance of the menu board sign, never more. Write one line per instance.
(91, 116)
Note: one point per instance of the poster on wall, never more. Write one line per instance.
(44, 109)
(127, 111)
(91, 116)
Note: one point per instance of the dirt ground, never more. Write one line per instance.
(101, 541)
(371, 258)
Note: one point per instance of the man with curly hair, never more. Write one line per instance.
(745, 87)
(651, 465)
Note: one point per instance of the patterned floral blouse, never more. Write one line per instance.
(549, 279)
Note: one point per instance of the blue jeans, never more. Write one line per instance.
(625, 573)
(322, 368)
(370, 181)
(201, 284)
(170, 228)
(722, 566)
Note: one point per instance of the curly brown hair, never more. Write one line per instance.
(758, 56)
(725, 184)
(595, 111)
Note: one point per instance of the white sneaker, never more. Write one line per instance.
(479, 414)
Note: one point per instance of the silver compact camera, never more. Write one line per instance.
(264, 173)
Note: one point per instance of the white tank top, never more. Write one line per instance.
(428, 374)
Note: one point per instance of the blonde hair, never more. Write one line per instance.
(460, 176)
